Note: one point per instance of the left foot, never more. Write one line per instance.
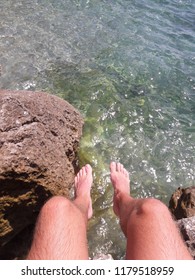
(83, 183)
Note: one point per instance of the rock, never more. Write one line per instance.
(18, 247)
(182, 203)
(102, 256)
(187, 228)
(182, 206)
(39, 137)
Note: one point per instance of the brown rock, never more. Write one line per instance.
(182, 203)
(187, 229)
(39, 136)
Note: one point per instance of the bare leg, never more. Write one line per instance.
(147, 224)
(60, 233)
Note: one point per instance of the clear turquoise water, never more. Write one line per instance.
(129, 67)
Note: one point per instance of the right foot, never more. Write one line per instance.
(120, 180)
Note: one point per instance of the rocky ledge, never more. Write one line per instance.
(39, 137)
(182, 207)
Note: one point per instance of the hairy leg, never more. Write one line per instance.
(147, 223)
(61, 229)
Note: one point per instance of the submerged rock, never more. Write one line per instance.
(39, 136)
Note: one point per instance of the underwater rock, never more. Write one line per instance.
(39, 137)
(182, 203)
(187, 229)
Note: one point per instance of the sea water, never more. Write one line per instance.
(129, 68)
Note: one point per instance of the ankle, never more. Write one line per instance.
(126, 207)
(82, 204)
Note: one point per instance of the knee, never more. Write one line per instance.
(57, 204)
(152, 206)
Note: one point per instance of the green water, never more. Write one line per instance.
(129, 68)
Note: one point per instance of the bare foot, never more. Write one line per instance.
(83, 183)
(120, 180)
(119, 177)
(122, 201)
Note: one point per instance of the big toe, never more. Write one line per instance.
(88, 169)
(113, 166)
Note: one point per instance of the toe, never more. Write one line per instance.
(118, 167)
(126, 173)
(88, 169)
(76, 181)
(84, 172)
(78, 175)
(113, 166)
